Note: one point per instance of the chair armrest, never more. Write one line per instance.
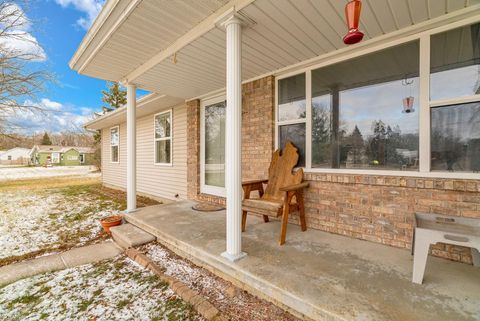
(295, 187)
(255, 181)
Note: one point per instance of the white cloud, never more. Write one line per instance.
(52, 117)
(19, 38)
(91, 9)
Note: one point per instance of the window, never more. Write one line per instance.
(163, 138)
(55, 158)
(389, 111)
(9, 157)
(82, 158)
(114, 144)
(213, 146)
(358, 115)
(455, 63)
(292, 113)
(455, 142)
(455, 75)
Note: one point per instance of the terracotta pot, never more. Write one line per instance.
(110, 221)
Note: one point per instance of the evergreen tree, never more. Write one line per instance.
(46, 139)
(114, 97)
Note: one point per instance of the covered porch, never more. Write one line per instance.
(320, 275)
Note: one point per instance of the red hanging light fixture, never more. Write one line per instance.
(352, 12)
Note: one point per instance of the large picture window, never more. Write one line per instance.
(163, 138)
(387, 111)
(114, 144)
(358, 114)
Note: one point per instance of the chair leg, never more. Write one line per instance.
(265, 218)
(301, 206)
(244, 220)
(283, 233)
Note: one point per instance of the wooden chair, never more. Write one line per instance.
(283, 194)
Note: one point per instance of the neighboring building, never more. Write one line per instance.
(62, 155)
(371, 162)
(16, 156)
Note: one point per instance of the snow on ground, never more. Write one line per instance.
(12, 173)
(31, 220)
(237, 304)
(117, 289)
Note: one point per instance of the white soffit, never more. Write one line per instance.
(284, 33)
(146, 105)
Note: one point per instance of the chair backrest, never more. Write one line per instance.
(280, 172)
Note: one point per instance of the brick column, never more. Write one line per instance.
(193, 148)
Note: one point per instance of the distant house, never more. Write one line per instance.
(16, 156)
(62, 155)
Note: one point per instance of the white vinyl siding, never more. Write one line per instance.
(161, 181)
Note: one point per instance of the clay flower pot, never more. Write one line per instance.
(110, 221)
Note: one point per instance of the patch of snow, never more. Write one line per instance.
(112, 290)
(13, 173)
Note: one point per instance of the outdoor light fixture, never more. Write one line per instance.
(352, 12)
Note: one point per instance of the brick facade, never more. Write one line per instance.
(370, 207)
(257, 136)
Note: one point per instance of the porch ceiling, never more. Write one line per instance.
(284, 33)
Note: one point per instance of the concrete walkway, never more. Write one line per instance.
(321, 275)
(75, 257)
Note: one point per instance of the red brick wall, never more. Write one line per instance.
(381, 208)
(370, 207)
(257, 136)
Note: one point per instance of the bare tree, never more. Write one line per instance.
(20, 82)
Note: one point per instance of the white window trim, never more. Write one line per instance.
(208, 189)
(118, 158)
(82, 158)
(170, 112)
(425, 104)
(57, 158)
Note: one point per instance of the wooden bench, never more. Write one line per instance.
(283, 193)
(433, 228)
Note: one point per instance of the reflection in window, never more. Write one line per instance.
(114, 143)
(296, 135)
(455, 63)
(455, 142)
(291, 98)
(215, 144)
(364, 111)
(163, 138)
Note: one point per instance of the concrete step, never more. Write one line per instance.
(128, 235)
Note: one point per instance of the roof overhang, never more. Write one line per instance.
(177, 49)
(146, 105)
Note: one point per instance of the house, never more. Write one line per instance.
(386, 127)
(16, 156)
(62, 155)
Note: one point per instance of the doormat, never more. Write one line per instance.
(207, 207)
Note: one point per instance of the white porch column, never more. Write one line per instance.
(233, 142)
(131, 148)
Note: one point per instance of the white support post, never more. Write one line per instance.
(131, 149)
(233, 142)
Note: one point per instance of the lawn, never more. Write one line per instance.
(49, 215)
(117, 289)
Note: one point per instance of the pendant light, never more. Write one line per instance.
(352, 12)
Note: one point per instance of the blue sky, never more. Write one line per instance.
(59, 27)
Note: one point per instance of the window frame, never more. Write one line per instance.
(82, 158)
(170, 138)
(208, 189)
(425, 104)
(118, 145)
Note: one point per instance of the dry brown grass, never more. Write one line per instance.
(49, 182)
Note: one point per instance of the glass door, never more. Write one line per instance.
(212, 146)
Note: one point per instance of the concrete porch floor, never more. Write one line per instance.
(321, 275)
